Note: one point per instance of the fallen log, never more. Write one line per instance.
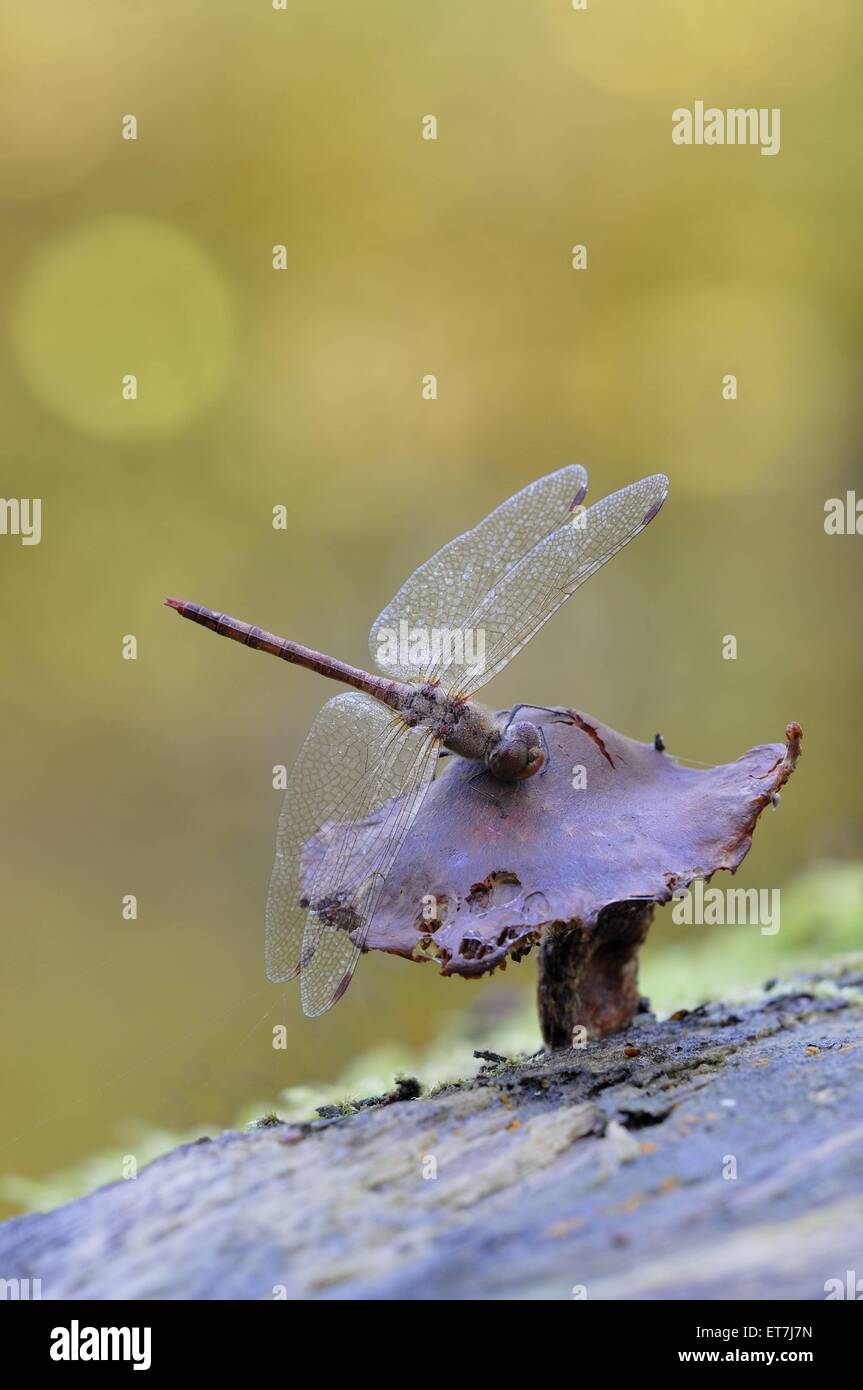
(712, 1155)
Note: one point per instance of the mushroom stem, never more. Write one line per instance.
(590, 980)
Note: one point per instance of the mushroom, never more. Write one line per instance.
(572, 861)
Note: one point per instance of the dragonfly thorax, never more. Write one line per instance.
(511, 753)
(462, 727)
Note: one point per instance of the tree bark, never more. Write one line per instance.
(714, 1155)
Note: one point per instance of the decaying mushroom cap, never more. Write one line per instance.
(489, 867)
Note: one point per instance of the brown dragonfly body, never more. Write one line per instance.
(510, 753)
(371, 753)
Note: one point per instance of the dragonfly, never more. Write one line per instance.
(372, 751)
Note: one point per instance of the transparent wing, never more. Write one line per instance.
(356, 758)
(531, 591)
(354, 858)
(338, 750)
(445, 590)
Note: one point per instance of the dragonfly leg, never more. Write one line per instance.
(546, 765)
(484, 772)
(544, 708)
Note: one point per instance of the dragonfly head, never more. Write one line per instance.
(519, 753)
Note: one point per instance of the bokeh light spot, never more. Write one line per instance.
(122, 296)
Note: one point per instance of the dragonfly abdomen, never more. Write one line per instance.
(392, 693)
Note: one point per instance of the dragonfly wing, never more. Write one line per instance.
(531, 591)
(353, 858)
(332, 761)
(445, 590)
(355, 752)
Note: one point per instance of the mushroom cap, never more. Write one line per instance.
(487, 865)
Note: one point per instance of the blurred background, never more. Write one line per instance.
(258, 387)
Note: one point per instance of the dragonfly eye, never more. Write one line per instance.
(535, 760)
